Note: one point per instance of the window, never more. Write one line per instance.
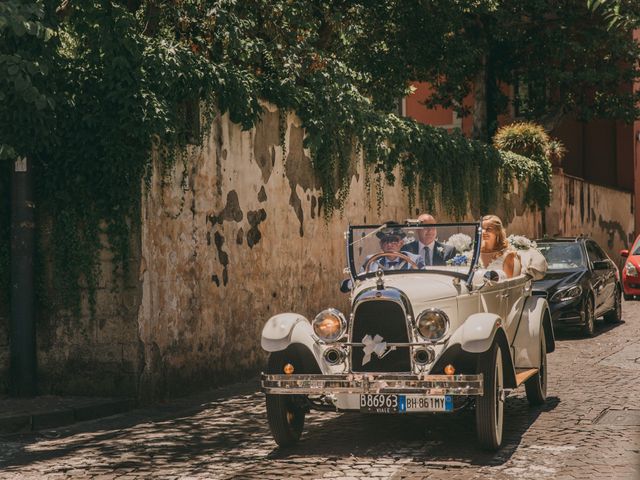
(529, 98)
(594, 252)
(562, 255)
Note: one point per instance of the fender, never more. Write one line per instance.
(286, 329)
(535, 316)
(477, 334)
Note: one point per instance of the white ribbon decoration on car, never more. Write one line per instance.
(373, 345)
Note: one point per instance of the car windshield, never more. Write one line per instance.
(636, 250)
(562, 256)
(424, 248)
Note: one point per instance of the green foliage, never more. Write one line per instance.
(621, 14)
(561, 58)
(26, 101)
(98, 87)
(524, 138)
(5, 219)
(528, 150)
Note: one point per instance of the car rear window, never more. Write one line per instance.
(562, 256)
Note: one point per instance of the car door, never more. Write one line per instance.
(599, 277)
(493, 299)
(610, 281)
(514, 299)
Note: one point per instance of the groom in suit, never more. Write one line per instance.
(427, 246)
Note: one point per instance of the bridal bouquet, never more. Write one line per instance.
(462, 243)
(460, 260)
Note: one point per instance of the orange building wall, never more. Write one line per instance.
(441, 117)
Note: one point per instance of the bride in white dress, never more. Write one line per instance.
(495, 252)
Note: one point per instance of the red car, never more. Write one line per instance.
(631, 271)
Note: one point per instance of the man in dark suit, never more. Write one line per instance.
(427, 246)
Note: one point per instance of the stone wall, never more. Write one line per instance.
(232, 236)
(241, 238)
(97, 354)
(603, 213)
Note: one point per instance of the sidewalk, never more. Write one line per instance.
(49, 411)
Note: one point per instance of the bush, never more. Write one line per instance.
(534, 150)
(525, 138)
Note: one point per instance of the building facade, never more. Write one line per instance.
(594, 187)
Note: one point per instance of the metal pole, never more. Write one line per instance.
(23, 333)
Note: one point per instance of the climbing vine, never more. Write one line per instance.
(100, 88)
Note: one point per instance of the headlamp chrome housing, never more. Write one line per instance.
(329, 325)
(568, 293)
(432, 324)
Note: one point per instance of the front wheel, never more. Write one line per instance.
(627, 297)
(589, 326)
(615, 314)
(286, 419)
(536, 386)
(285, 413)
(490, 406)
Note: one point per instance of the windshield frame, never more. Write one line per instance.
(468, 277)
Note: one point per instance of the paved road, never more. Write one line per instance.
(590, 428)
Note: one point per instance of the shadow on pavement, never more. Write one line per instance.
(574, 333)
(437, 439)
(228, 437)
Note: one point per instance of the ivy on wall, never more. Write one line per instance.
(106, 83)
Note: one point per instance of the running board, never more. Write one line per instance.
(523, 375)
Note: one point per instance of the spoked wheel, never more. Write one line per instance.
(285, 413)
(536, 386)
(589, 326)
(490, 406)
(615, 314)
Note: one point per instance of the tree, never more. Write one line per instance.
(27, 99)
(97, 86)
(560, 56)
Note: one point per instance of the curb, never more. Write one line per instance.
(43, 419)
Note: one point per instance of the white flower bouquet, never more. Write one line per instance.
(460, 241)
(520, 242)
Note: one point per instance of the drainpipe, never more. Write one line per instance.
(22, 339)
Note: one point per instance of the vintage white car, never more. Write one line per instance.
(427, 332)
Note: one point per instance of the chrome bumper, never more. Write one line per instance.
(318, 384)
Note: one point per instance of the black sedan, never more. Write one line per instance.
(582, 283)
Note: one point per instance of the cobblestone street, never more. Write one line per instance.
(588, 429)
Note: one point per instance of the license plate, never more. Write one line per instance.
(391, 403)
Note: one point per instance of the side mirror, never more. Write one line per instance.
(345, 286)
(491, 276)
(601, 265)
(624, 253)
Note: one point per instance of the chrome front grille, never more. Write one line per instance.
(386, 319)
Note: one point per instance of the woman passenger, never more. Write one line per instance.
(495, 252)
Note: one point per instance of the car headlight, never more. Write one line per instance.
(631, 269)
(329, 325)
(568, 293)
(432, 324)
